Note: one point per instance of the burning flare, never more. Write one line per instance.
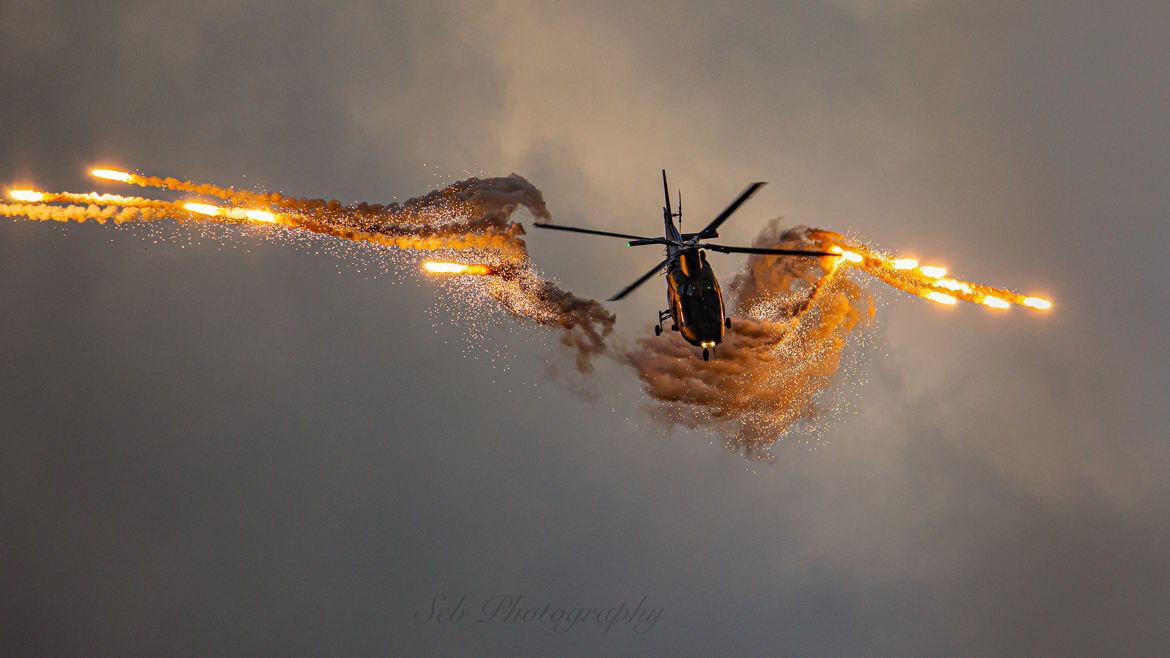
(260, 216)
(438, 267)
(28, 196)
(113, 174)
(941, 298)
(203, 209)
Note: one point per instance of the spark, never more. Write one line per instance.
(28, 196)
(113, 174)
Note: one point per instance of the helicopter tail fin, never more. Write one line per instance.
(668, 214)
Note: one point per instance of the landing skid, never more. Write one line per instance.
(662, 315)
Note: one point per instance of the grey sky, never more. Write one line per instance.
(233, 446)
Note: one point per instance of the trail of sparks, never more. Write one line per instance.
(470, 217)
(309, 216)
(793, 317)
(926, 281)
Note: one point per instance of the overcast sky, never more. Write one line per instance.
(227, 445)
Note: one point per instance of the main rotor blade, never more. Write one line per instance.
(645, 241)
(645, 277)
(593, 232)
(765, 250)
(710, 230)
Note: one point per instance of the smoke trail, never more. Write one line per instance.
(472, 204)
(91, 212)
(472, 215)
(792, 320)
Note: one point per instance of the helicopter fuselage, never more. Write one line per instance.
(696, 302)
(692, 292)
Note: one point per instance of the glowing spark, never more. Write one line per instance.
(30, 196)
(113, 174)
(456, 268)
(940, 298)
(260, 215)
(904, 263)
(1037, 302)
(995, 302)
(203, 208)
(933, 271)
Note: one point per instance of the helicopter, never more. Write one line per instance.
(692, 291)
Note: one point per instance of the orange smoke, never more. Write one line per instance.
(792, 319)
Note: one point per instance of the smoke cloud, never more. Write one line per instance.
(793, 318)
(791, 323)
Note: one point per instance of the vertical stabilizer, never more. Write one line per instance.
(668, 215)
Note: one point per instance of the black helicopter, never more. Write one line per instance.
(696, 302)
